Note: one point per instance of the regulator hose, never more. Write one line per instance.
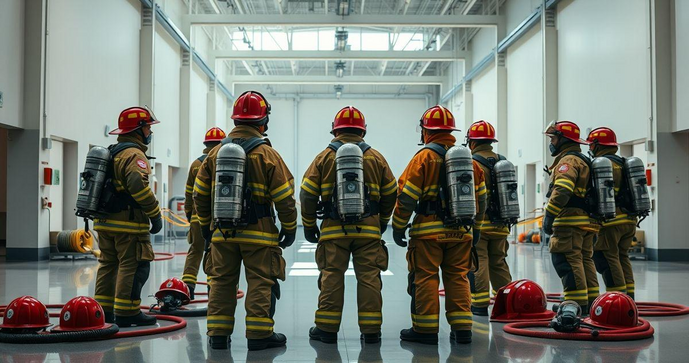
(643, 331)
(645, 308)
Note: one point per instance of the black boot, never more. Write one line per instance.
(138, 320)
(479, 311)
(370, 338)
(324, 336)
(461, 336)
(191, 290)
(219, 341)
(110, 318)
(584, 311)
(273, 341)
(424, 338)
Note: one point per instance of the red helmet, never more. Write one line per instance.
(614, 310)
(566, 129)
(251, 107)
(349, 117)
(176, 288)
(26, 313)
(214, 134)
(438, 118)
(81, 313)
(481, 130)
(520, 300)
(132, 119)
(602, 136)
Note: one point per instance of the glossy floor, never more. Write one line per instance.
(58, 281)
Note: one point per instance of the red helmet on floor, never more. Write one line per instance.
(566, 129)
(214, 134)
(614, 310)
(349, 117)
(481, 130)
(26, 312)
(602, 136)
(81, 313)
(251, 107)
(520, 300)
(438, 118)
(132, 119)
(176, 288)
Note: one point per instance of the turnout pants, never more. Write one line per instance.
(194, 255)
(263, 266)
(492, 269)
(369, 258)
(611, 256)
(424, 258)
(124, 267)
(571, 251)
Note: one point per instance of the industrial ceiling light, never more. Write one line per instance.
(338, 90)
(339, 69)
(341, 39)
(343, 7)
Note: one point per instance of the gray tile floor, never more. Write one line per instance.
(58, 281)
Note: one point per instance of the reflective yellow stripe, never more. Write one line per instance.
(327, 189)
(553, 209)
(389, 188)
(412, 190)
(257, 237)
(565, 183)
(281, 192)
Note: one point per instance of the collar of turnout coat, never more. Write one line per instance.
(606, 150)
(133, 138)
(565, 150)
(481, 148)
(245, 132)
(443, 139)
(348, 138)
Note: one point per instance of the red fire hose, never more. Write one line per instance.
(643, 331)
(645, 308)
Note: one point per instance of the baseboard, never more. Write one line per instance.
(668, 254)
(28, 254)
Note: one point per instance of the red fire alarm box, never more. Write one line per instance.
(649, 179)
(47, 176)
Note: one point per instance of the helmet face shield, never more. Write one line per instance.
(550, 129)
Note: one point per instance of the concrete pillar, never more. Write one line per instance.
(668, 155)
(468, 104)
(27, 222)
(185, 109)
(501, 124)
(211, 112)
(550, 94)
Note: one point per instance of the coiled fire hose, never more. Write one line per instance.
(87, 335)
(77, 240)
(645, 308)
(643, 331)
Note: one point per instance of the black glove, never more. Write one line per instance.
(548, 220)
(206, 233)
(476, 237)
(312, 234)
(383, 227)
(286, 238)
(399, 235)
(156, 224)
(189, 217)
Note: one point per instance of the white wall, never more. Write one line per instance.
(167, 78)
(602, 65)
(681, 60)
(11, 61)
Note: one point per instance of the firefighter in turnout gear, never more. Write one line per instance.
(256, 243)
(124, 234)
(566, 217)
(433, 245)
(492, 247)
(196, 242)
(611, 255)
(339, 237)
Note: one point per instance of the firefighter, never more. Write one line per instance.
(611, 251)
(492, 247)
(257, 244)
(196, 243)
(433, 245)
(124, 234)
(359, 237)
(566, 217)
